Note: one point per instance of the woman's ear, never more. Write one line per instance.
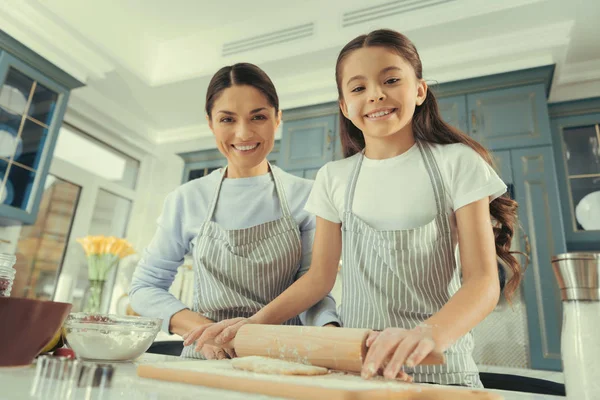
(210, 124)
(278, 118)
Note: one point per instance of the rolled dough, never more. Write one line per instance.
(273, 366)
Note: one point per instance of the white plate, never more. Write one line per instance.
(10, 144)
(587, 211)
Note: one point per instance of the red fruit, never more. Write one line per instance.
(64, 352)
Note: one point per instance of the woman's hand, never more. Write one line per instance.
(394, 347)
(213, 352)
(219, 333)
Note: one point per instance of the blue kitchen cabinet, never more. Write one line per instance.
(509, 118)
(576, 142)
(454, 111)
(32, 106)
(536, 191)
(308, 143)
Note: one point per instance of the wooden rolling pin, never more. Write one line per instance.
(342, 349)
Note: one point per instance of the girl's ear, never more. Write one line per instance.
(344, 108)
(421, 92)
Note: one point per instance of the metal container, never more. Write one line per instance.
(7, 273)
(578, 277)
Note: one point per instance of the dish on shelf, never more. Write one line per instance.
(587, 211)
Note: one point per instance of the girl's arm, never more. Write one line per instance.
(476, 298)
(300, 296)
(315, 284)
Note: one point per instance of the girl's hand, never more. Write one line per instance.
(394, 347)
(219, 333)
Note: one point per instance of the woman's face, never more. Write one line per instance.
(244, 125)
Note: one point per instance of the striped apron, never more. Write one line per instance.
(238, 272)
(400, 278)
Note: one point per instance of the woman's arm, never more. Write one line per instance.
(476, 298)
(149, 294)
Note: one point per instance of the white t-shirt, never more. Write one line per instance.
(397, 193)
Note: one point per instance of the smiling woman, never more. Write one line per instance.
(244, 224)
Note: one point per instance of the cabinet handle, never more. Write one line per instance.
(5, 241)
(329, 140)
(527, 249)
(473, 121)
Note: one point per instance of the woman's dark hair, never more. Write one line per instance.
(427, 125)
(240, 74)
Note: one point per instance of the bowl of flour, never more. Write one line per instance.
(107, 337)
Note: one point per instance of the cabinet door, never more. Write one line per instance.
(307, 143)
(536, 191)
(31, 111)
(510, 118)
(454, 111)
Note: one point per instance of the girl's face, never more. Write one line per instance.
(380, 92)
(244, 125)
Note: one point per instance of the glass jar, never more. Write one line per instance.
(7, 273)
(578, 279)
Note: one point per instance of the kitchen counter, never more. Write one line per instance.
(16, 383)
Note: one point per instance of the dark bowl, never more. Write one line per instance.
(26, 326)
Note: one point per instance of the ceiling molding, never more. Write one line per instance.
(32, 24)
(176, 62)
(580, 72)
(102, 112)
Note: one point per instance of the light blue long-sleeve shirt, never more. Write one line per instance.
(242, 203)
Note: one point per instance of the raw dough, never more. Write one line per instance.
(274, 366)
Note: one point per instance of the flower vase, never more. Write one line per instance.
(94, 296)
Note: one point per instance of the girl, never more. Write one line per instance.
(244, 224)
(411, 192)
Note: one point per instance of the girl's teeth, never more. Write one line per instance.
(246, 148)
(379, 114)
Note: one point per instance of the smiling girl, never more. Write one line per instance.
(411, 192)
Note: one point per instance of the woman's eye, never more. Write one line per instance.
(358, 89)
(226, 120)
(392, 81)
(259, 117)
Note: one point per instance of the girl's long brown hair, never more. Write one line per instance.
(428, 125)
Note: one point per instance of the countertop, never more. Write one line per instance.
(15, 384)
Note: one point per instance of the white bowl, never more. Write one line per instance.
(107, 337)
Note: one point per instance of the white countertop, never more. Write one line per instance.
(15, 384)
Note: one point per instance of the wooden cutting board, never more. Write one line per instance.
(334, 386)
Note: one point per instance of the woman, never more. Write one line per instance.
(245, 224)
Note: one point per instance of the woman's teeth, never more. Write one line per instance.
(245, 148)
(379, 114)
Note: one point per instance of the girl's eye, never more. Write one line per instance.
(226, 120)
(259, 117)
(358, 89)
(392, 81)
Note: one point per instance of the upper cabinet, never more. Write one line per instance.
(32, 105)
(308, 143)
(509, 118)
(576, 135)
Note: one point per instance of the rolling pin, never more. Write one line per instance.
(342, 349)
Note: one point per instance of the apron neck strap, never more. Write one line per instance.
(435, 176)
(285, 210)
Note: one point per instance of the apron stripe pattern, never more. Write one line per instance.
(238, 272)
(401, 278)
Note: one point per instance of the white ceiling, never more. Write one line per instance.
(147, 63)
